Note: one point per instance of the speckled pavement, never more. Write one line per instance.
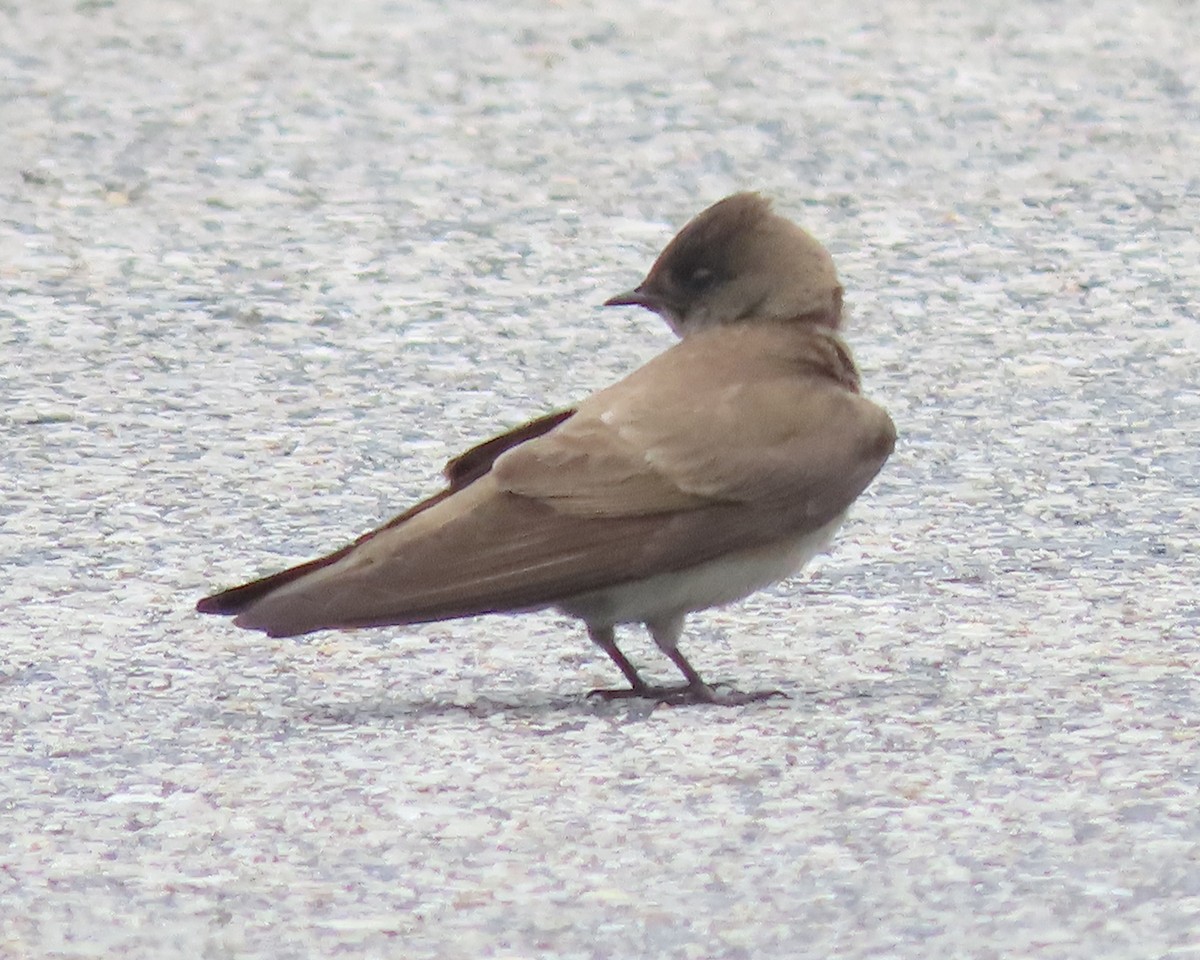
(264, 267)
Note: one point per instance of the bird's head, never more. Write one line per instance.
(739, 261)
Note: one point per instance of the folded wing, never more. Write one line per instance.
(463, 470)
(653, 475)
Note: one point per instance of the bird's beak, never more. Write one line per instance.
(637, 297)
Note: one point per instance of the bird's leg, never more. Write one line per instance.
(605, 638)
(666, 634)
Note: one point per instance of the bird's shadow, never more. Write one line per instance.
(431, 707)
(538, 708)
(581, 706)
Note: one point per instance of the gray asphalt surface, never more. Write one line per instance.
(264, 267)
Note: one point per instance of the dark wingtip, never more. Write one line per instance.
(461, 472)
(468, 467)
(236, 599)
(210, 605)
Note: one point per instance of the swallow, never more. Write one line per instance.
(720, 467)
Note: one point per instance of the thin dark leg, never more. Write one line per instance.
(605, 638)
(666, 635)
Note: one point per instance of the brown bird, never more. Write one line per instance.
(720, 467)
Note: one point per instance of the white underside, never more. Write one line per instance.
(711, 584)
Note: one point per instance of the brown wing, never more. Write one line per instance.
(657, 474)
(721, 444)
(486, 551)
(477, 461)
(460, 472)
(765, 417)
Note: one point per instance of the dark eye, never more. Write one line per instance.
(701, 279)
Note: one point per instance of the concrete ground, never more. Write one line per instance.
(264, 267)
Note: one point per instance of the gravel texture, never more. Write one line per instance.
(265, 266)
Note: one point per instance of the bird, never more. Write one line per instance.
(718, 468)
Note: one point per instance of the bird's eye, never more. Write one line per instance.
(701, 279)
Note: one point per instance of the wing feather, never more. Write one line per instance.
(657, 474)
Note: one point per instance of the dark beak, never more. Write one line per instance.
(637, 297)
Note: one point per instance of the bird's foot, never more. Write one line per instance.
(686, 694)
